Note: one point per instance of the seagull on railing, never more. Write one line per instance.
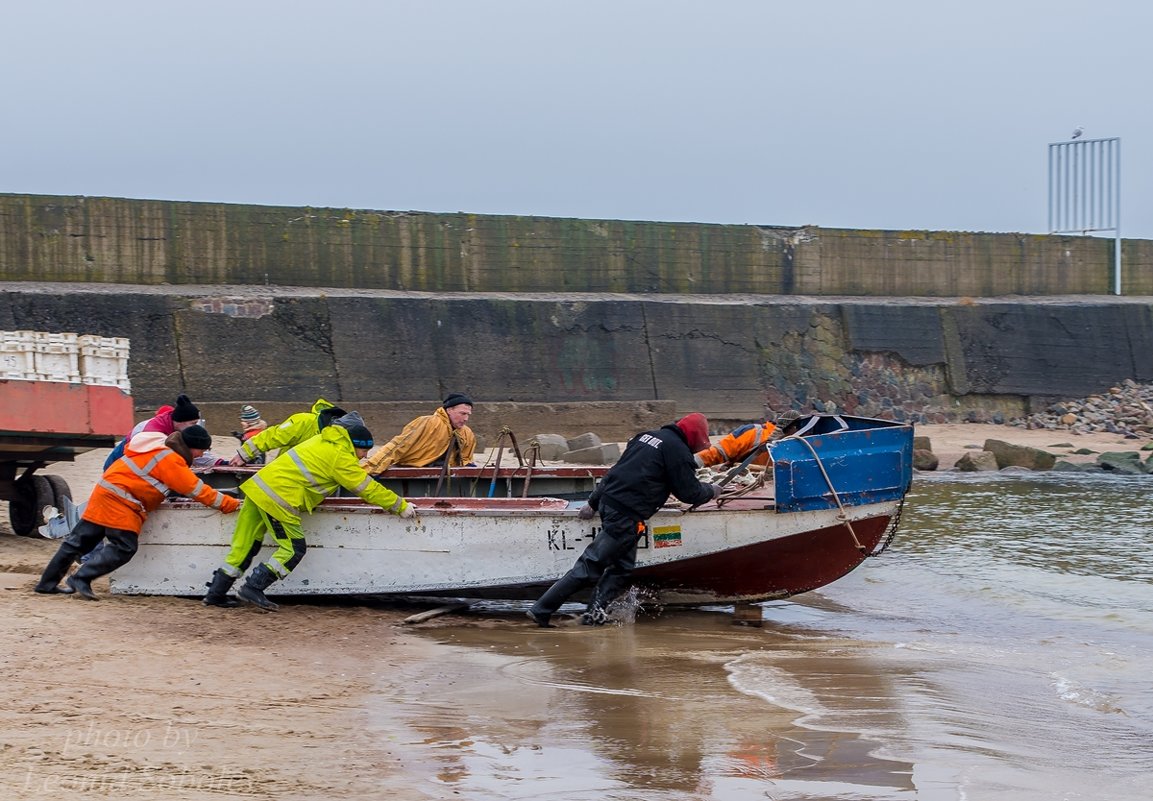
(1077, 132)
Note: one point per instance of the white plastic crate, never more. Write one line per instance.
(18, 355)
(66, 357)
(104, 361)
(92, 341)
(98, 381)
(57, 358)
(104, 367)
(46, 338)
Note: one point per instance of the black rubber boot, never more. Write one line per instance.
(540, 618)
(259, 580)
(218, 591)
(50, 579)
(119, 547)
(81, 587)
(55, 589)
(546, 605)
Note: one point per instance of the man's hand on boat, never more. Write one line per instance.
(586, 512)
(409, 511)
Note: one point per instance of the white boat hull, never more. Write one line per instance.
(514, 548)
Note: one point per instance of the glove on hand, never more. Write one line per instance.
(586, 512)
(409, 512)
(717, 490)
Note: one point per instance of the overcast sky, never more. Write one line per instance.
(896, 115)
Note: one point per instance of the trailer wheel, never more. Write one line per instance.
(60, 491)
(33, 493)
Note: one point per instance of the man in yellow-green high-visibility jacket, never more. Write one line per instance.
(290, 486)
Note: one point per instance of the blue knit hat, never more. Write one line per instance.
(361, 437)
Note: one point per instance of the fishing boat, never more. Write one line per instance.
(830, 499)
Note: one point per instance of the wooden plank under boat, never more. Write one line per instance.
(834, 500)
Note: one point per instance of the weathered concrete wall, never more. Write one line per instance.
(146, 242)
(920, 360)
(284, 305)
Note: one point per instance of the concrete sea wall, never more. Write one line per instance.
(921, 361)
(151, 242)
(568, 321)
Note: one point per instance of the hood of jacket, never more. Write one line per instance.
(146, 442)
(320, 405)
(339, 434)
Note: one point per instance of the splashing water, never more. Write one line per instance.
(623, 611)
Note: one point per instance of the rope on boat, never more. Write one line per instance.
(739, 485)
(841, 514)
(743, 484)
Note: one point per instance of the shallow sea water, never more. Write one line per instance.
(1001, 649)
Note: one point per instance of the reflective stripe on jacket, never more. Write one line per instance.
(293, 431)
(737, 444)
(137, 483)
(422, 442)
(297, 480)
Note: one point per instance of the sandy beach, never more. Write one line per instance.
(156, 697)
(951, 442)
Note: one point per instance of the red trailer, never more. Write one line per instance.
(42, 422)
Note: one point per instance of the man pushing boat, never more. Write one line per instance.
(291, 485)
(654, 465)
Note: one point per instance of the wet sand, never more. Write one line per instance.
(146, 697)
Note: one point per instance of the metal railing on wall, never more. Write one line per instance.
(1085, 191)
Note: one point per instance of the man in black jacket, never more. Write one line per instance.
(654, 465)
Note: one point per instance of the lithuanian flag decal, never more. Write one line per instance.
(666, 536)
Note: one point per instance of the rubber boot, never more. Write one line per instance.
(81, 587)
(113, 552)
(546, 606)
(218, 590)
(50, 579)
(259, 580)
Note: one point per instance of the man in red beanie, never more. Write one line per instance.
(654, 465)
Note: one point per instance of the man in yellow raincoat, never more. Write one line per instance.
(430, 440)
(290, 486)
(293, 431)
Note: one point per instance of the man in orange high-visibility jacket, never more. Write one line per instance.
(738, 444)
(153, 465)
